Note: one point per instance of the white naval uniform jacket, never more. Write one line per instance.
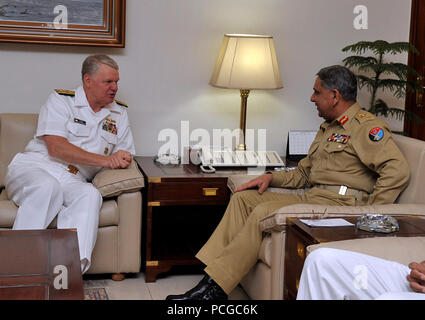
(70, 116)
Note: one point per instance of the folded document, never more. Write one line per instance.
(337, 222)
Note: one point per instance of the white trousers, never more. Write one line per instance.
(332, 274)
(43, 190)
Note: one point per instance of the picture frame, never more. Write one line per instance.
(64, 22)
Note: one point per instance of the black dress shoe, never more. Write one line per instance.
(206, 289)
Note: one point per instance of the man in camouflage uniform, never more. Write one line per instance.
(352, 161)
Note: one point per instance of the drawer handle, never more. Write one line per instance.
(152, 263)
(209, 192)
(300, 250)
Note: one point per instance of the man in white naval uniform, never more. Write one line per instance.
(78, 133)
(333, 274)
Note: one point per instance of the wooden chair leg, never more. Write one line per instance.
(118, 277)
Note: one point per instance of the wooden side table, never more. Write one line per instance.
(40, 265)
(299, 236)
(182, 208)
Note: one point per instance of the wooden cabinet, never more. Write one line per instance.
(295, 254)
(182, 208)
(40, 265)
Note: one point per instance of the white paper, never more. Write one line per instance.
(337, 222)
(300, 141)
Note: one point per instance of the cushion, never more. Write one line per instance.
(265, 252)
(111, 183)
(235, 181)
(108, 216)
(8, 213)
(414, 152)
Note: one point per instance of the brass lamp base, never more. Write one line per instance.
(242, 123)
(241, 147)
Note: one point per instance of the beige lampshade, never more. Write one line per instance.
(247, 62)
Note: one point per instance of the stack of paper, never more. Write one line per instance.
(338, 222)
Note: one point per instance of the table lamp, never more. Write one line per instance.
(246, 62)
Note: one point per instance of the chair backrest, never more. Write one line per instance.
(414, 152)
(16, 130)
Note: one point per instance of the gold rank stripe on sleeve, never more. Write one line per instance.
(121, 103)
(63, 92)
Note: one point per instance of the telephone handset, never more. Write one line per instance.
(210, 158)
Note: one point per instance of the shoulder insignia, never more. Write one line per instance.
(65, 92)
(343, 120)
(364, 115)
(121, 103)
(376, 134)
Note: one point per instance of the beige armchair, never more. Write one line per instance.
(117, 249)
(265, 280)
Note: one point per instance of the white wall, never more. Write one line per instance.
(171, 49)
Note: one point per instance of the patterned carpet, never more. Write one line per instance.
(95, 294)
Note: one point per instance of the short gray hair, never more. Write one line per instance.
(340, 78)
(92, 63)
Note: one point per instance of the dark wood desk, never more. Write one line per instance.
(27, 265)
(183, 206)
(299, 236)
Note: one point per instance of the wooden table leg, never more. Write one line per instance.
(151, 273)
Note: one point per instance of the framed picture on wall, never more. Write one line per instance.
(67, 22)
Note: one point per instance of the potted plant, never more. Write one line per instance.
(375, 73)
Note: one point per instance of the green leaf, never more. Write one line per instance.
(399, 77)
(359, 61)
(364, 81)
(400, 70)
(400, 47)
(394, 85)
(381, 108)
(381, 47)
(359, 47)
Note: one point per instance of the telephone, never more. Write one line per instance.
(211, 158)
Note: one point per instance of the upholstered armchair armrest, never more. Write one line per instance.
(129, 232)
(277, 220)
(401, 249)
(112, 183)
(235, 181)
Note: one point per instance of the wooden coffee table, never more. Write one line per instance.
(299, 236)
(40, 265)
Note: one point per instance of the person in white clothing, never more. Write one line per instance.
(333, 274)
(78, 133)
